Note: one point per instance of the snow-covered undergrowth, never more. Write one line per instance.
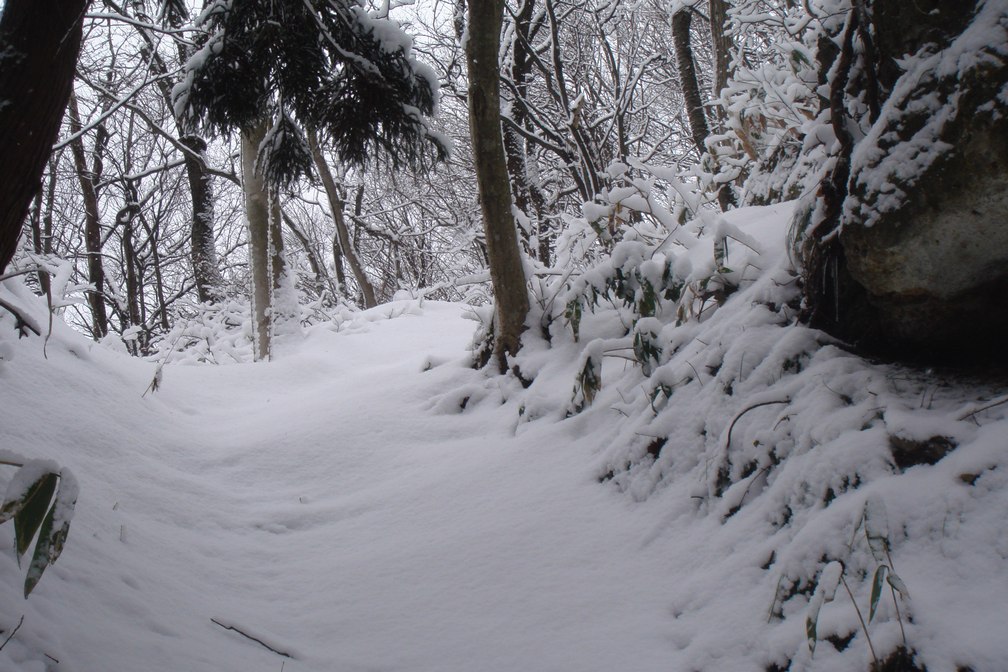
(776, 452)
(665, 495)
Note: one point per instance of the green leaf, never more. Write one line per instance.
(36, 501)
(40, 558)
(876, 590)
(51, 541)
(810, 631)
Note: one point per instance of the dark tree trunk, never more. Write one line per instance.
(153, 235)
(88, 177)
(125, 219)
(722, 43)
(42, 225)
(209, 283)
(681, 22)
(506, 271)
(39, 43)
(514, 144)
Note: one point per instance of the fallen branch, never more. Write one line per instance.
(248, 636)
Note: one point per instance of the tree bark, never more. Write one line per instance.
(514, 144)
(125, 218)
(342, 233)
(209, 283)
(39, 43)
(722, 43)
(681, 22)
(42, 225)
(506, 272)
(257, 210)
(88, 177)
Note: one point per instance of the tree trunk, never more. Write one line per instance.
(42, 225)
(722, 43)
(206, 271)
(153, 235)
(39, 43)
(681, 22)
(506, 272)
(514, 143)
(277, 263)
(88, 178)
(342, 233)
(209, 283)
(125, 219)
(257, 210)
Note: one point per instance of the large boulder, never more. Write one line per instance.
(924, 227)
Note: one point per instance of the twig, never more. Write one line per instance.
(695, 372)
(750, 484)
(743, 412)
(13, 632)
(899, 616)
(864, 628)
(23, 321)
(248, 636)
(996, 402)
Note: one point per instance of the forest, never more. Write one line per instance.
(503, 334)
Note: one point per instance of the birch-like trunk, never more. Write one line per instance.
(257, 211)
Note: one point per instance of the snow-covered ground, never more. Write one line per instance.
(319, 504)
(368, 502)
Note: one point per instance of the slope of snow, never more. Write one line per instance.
(318, 504)
(367, 502)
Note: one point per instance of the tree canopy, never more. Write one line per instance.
(327, 64)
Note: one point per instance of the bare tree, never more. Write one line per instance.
(342, 241)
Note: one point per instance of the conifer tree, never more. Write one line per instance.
(324, 64)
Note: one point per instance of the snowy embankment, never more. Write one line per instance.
(367, 502)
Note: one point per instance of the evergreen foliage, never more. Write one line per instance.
(326, 64)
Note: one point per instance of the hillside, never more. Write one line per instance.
(367, 501)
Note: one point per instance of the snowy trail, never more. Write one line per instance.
(322, 504)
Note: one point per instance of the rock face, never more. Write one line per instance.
(932, 253)
(920, 251)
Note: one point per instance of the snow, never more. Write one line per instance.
(367, 501)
